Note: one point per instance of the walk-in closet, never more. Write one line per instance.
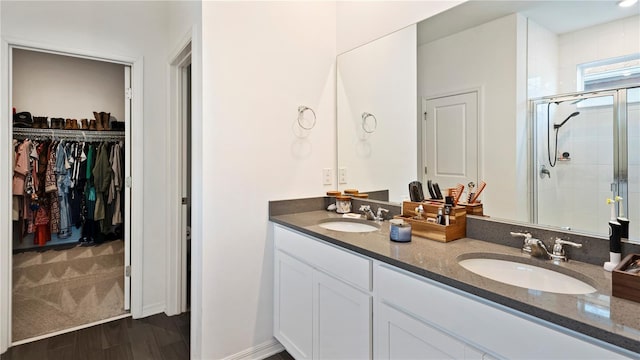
(70, 199)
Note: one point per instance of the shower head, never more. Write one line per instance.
(557, 126)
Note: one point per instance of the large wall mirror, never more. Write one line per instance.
(473, 94)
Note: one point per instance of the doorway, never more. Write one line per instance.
(179, 256)
(450, 139)
(186, 187)
(78, 274)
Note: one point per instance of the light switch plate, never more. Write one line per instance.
(326, 176)
(342, 175)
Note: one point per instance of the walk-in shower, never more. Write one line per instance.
(591, 153)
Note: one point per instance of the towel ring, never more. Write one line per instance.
(301, 117)
(365, 116)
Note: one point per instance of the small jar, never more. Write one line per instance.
(399, 230)
(343, 204)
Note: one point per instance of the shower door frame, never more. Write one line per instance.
(620, 138)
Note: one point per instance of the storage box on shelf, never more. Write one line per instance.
(624, 284)
(456, 229)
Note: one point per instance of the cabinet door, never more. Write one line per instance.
(342, 320)
(402, 336)
(293, 305)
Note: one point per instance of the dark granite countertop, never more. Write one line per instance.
(599, 315)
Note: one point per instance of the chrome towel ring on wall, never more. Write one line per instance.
(369, 126)
(306, 122)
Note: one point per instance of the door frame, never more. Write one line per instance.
(135, 135)
(176, 301)
(479, 90)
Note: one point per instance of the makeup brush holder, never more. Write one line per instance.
(471, 209)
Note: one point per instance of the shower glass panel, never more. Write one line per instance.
(573, 157)
(633, 158)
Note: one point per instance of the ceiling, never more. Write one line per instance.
(557, 16)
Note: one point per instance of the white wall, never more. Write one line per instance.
(470, 59)
(114, 28)
(359, 22)
(609, 40)
(54, 85)
(261, 60)
(379, 78)
(542, 61)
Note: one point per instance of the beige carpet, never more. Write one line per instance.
(59, 289)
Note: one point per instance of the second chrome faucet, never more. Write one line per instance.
(537, 248)
(368, 213)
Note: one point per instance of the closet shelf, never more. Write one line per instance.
(58, 134)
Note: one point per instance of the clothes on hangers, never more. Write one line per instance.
(60, 184)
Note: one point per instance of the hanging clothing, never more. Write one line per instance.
(21, 168)
(115, 189)
(61, 184)
(101, 179)
(64, 183)
(51, 187)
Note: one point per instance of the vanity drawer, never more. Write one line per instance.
(342, 264)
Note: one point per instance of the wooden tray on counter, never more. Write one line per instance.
(457, 228)
(623, 284)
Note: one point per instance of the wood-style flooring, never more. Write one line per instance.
(157, 337)
(281, 356)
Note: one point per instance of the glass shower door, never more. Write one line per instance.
(574, 161)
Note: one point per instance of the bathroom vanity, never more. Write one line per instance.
(358, 295)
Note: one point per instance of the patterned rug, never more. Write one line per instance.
(59, 289)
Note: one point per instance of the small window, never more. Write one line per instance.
(619, 72)
(609, 73)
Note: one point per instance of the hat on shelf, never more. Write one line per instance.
(23, 120)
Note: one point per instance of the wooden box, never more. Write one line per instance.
(624, 284)
(456, 229)
(473, 209)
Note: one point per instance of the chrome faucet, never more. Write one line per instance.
(537, 248)
(544, 171)
(382, 213)
(368, 213)
(558, 250)
(526, 246)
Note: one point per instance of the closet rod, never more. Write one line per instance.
(77, 135)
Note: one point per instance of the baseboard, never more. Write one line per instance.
(258, 352)
(152, 309)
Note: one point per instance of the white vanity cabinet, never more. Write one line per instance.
(322, 299)
(417, 318)
(403, 336)
(331, 303)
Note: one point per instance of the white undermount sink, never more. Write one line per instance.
(349, 225)
(526, 276)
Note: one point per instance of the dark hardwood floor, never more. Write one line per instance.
(157, 337)
(281, 356)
